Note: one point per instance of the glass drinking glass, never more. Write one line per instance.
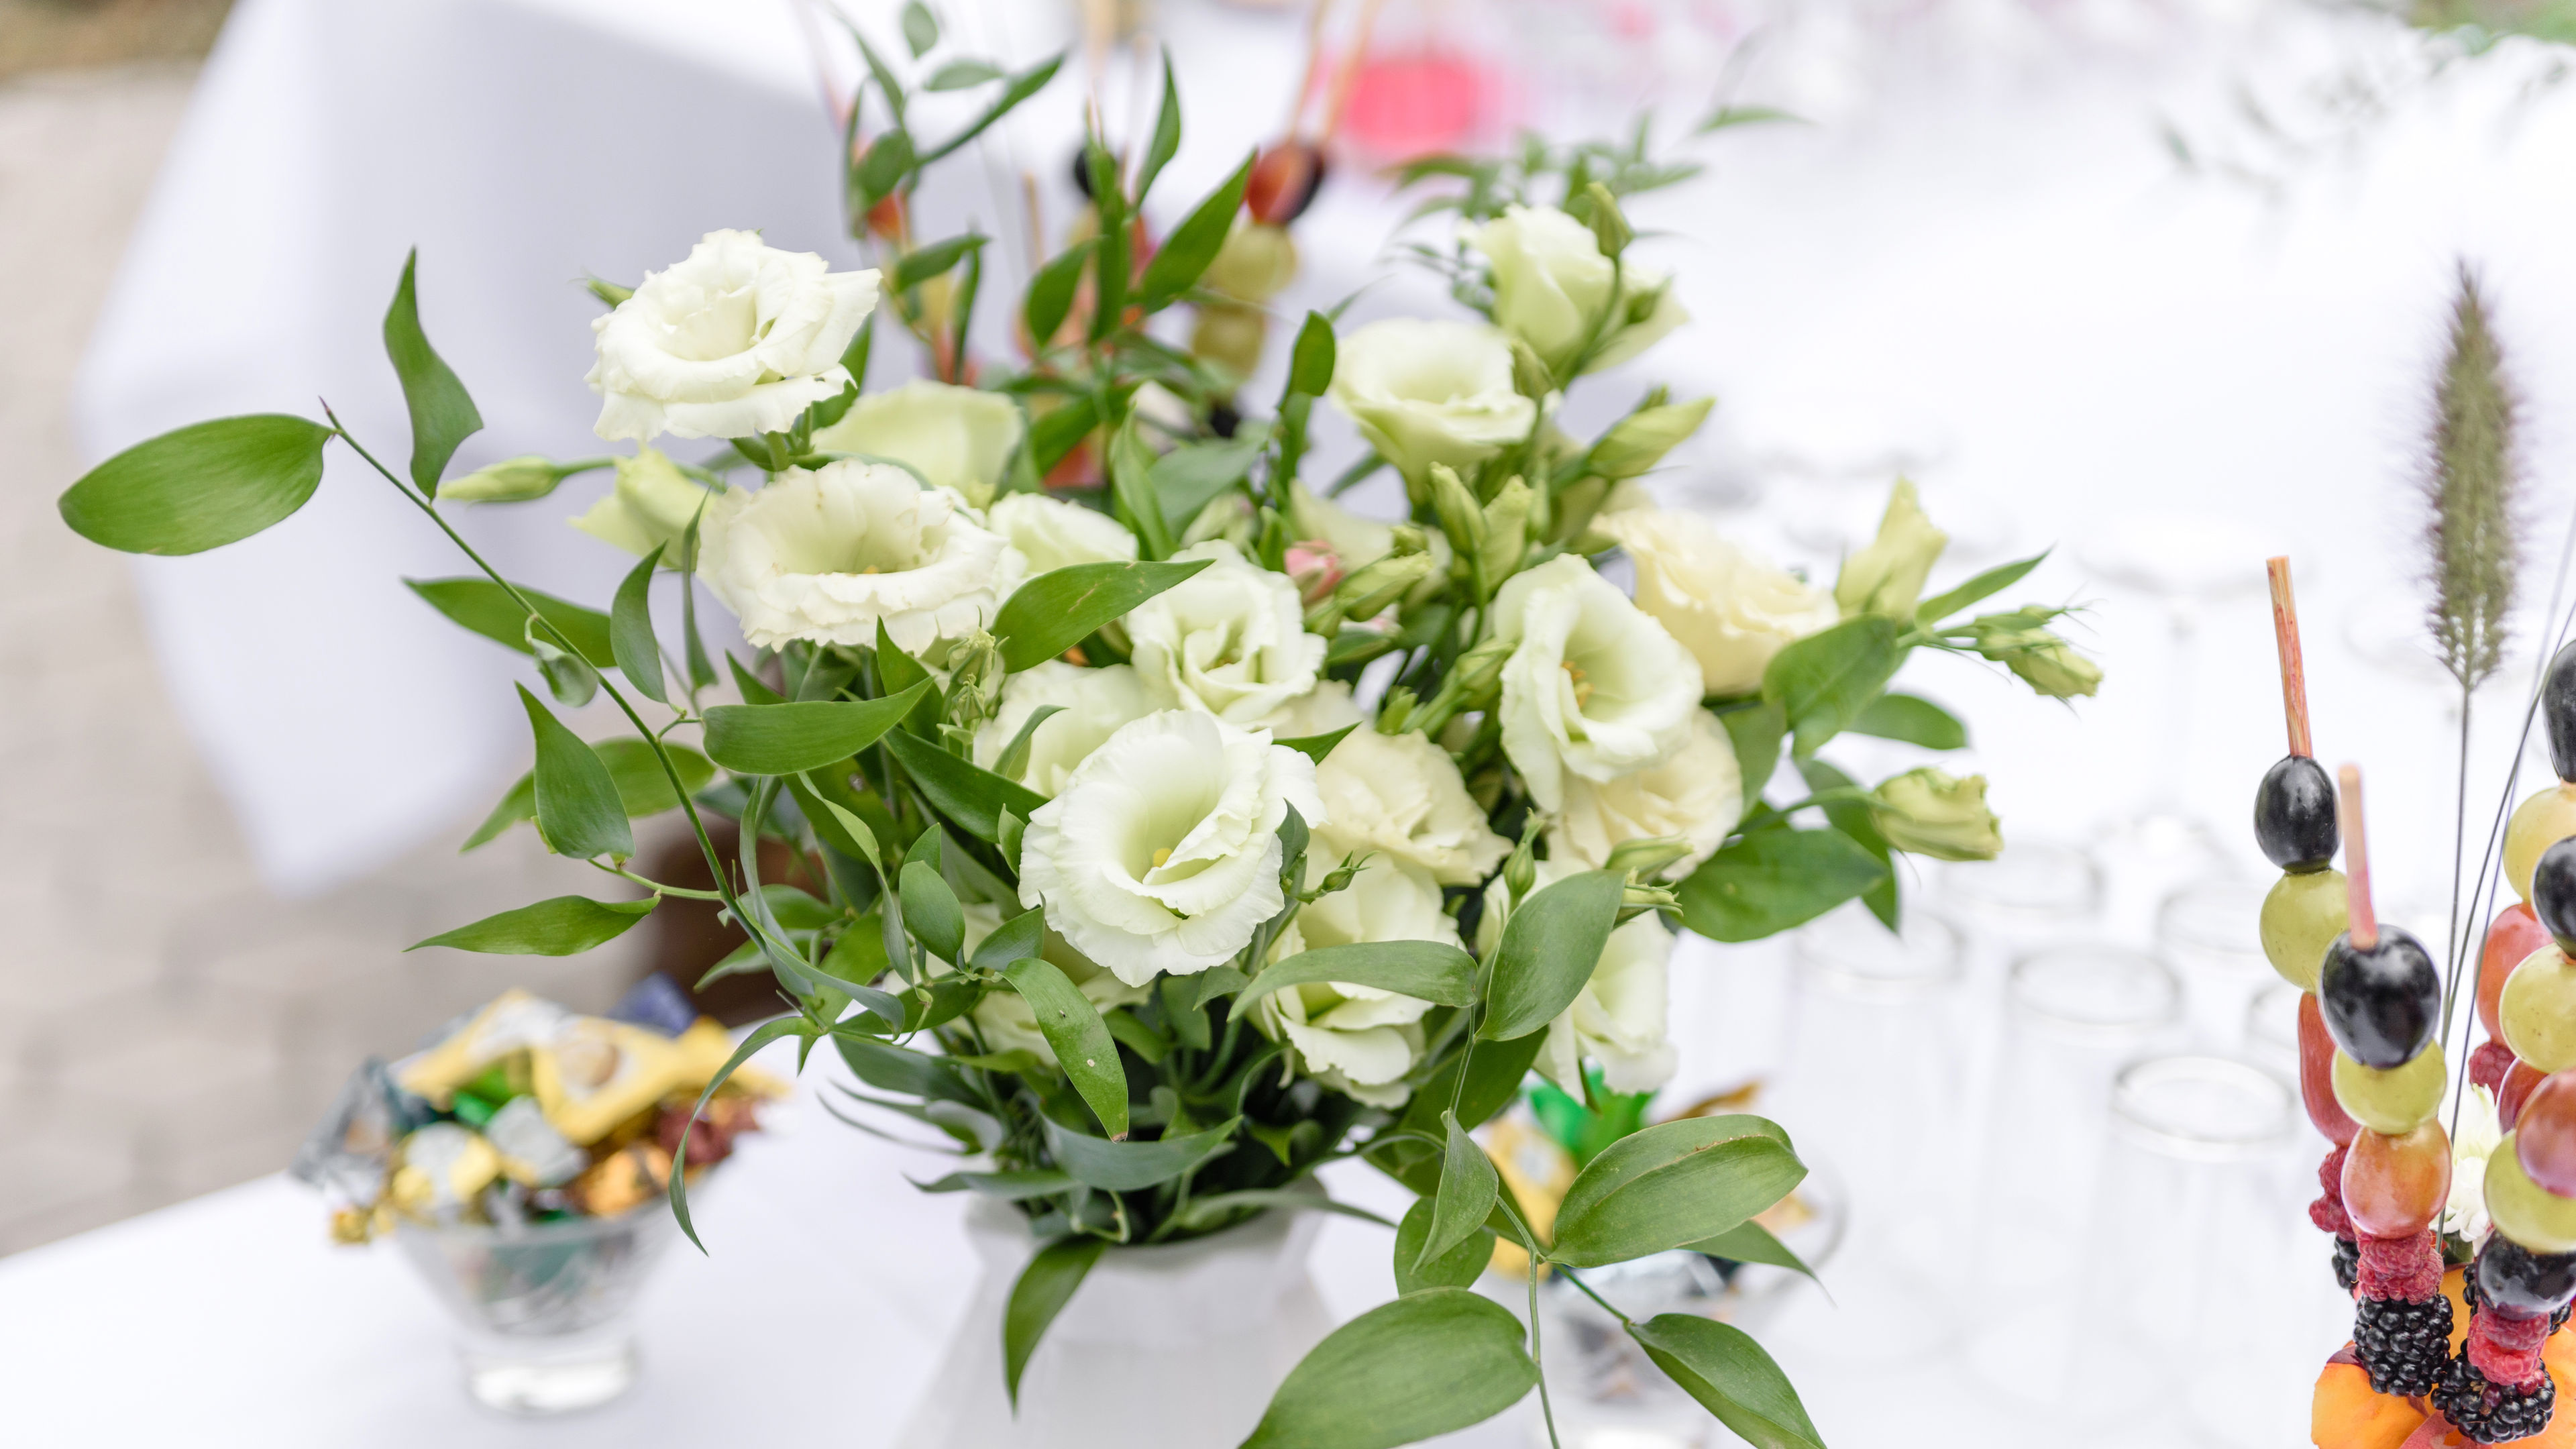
(2073, 1015)
(2035, 888)
(544, 1311)
(2209, 930)
(1873, 1075)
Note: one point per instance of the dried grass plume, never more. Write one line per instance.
(2472, 485)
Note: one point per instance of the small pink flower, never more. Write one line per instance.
(1314, 568)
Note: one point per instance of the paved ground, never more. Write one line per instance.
(166, 1028)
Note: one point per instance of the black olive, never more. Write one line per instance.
(2380, 1004)
(2522, 1282)
(2553, 892)
(2294, 815)
(2558, 711)
(1223, 420)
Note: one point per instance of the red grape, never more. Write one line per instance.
(2316, 1074)
(2519, 1084)
(2393, 1187)
(2516, 934)
(2545, 1135)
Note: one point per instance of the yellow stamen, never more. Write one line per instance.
(1582, 686)
(1162, 857)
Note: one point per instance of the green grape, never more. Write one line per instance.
(2396, 1101)
(2530, 1215)
(2540, 822)
(2538, 1010)
(2301, 918)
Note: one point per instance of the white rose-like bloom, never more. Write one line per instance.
(954, 437)
(1593, 687)
(735, 341)
(1319, 711)
(1095, 704)
(1357, 1040)
(1231, 640)
(1426, 392)
(1621, 1017)
(2465, 1211)
(829, 554)
(1551, 283)
(1697, 793)
(1401, 795)
(1052, 534)
(1162, 852)
(1730, 609)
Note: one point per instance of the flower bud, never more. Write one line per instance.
(1374, 588)
(650, 506)
(1931, 812)
(1609, 228)
(1642, 438)
(2047, 663)
(1530, 375)
(513, 480)
(1886, 577)
(1647, 853)
(1520, 873)
(974, 680)
(1506, 533)
(1460, 517)
(606, 291)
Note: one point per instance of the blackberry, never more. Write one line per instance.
(2468, 1288)
(2402, 1345)
(2347, 1263)
(2491, 1413)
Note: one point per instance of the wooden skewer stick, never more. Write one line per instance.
(2363, 926)
(2294, 669)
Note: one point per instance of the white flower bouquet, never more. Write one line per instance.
(1177, 836)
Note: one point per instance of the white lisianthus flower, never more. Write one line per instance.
(1621, 1017)
(1357, 1040)
(1551, 283)
(1730, 609)
(829, 554)
(650, 507)
(2465, 1213)
(1052, 534)
(1401, 796)
(954, 437)
(735, 341)
(1319, 711)
(1697, 794)
(1593, 687)
(1095, 703)
(1162, 852)
(1431, 392)
(1230, 641)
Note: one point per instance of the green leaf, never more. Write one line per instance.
(882, 171)
(1131, 489)
(1050, 298)
(1037, 1296)
(782, 739)
(1550, 946)
(1111, 268)
(1167, 133)
(1460, 1267)
(1993, 581)
(563, 926)
(1008, 1186)
(1756, 731)
(1015, 755)
(836, 825)
(923, 263)
(1771, 880)
(487, 608)
(1433, 971)
(1726, 116)
(762, 1035)
(520, 804)
(1316, 747)
(1080, 1039)
(900, 1069)
(1207, 1211)
(1673, 1184)
(1057, 433)
(1310, 365)
(569, 677)
(1024, 85)
(1913, 720)
(1824, 681)
(578, 808)
(1131, 1166)
(1015, 940)
(1750, 1242)
(958, 75)
(1427, 1364)
(1190, 477)
(1722, 1367)
(642, 786)
(1061, 607)
(920, 30)
(442, 415)
(931, 913)
(1852, 817)
(1194, 243)
(1468, 1191)
(974, 798)
(630, 630)
(200, 487)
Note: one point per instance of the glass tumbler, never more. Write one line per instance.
(2190, 1309)
(1872, 1084)
(544, 1311)
(2209, 929)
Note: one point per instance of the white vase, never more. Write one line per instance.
(1176, 1346)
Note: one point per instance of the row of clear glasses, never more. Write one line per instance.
(2073, 1166)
